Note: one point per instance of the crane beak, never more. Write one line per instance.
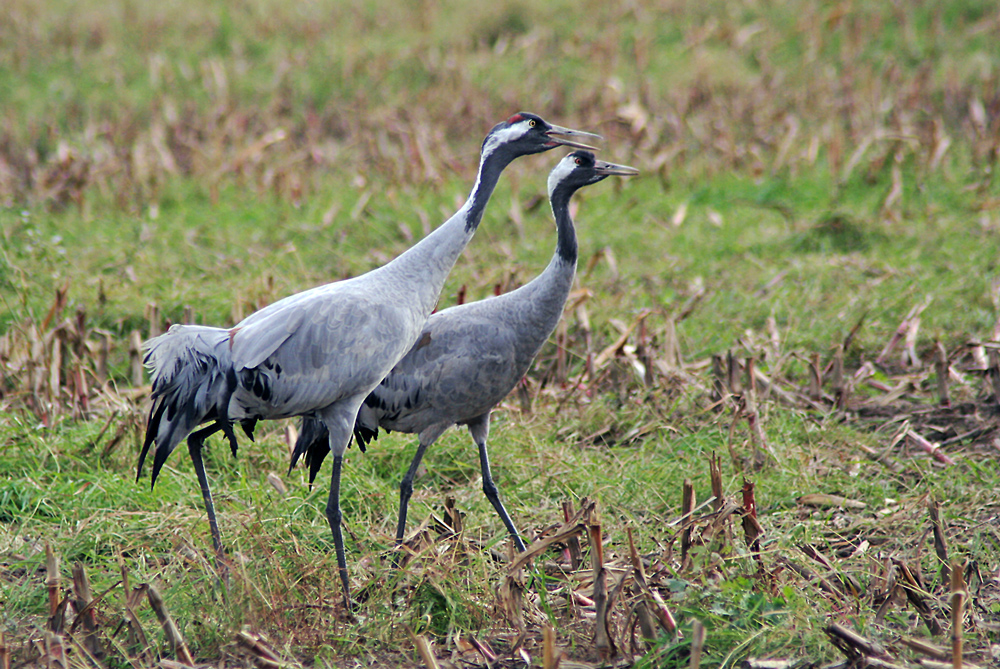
(560, 136)
(610, 169)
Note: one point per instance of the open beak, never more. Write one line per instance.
(610, 169)
(559, 136)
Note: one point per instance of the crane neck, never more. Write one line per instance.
(491, 166)
(549, 289)
(566, 244)
(426, 265)
(540, 302)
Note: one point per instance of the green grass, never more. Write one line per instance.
(218, 157)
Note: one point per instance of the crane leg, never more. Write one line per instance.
(334, 516)
(195, 442)
(406, 490)
(493, 494)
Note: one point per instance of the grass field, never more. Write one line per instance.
(818, 212)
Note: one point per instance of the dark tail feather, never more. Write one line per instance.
(177, 418)
(366, 424)
(364, 435)
(152, 426)
(315, 457)
(227, 430)
(248, 427)
(312, 446)
(307, 432)
(313, 443)
(159, 458)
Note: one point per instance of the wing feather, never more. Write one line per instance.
(335, 348)
(458, 369)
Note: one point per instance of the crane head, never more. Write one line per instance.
(525, 133)
(581, 168)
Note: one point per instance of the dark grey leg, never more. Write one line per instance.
(479, 431)
(406, 490)
(195, 442)
(334, 515)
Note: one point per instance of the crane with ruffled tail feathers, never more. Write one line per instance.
(320, 352)
(469, 357)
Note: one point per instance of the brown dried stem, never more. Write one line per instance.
(261, 651)
(810, 576)
(603, 640)
(653, 598)
(136, 635)
(994, 373)
(512, 589)
(82, 603)
(549, 658)
(752, 529)
(715, 474)
(135, 357)
(52, 579)
(174, 637)
(927, 648)
(697, 643)
(837, 381)
(424, 648)
(761, 451)
(687, 507)
(958, 595)
(853, 645)
(915, 594)
(940, 541)
(719, 378)
(929, 447)
(941, 368)
(815, 378)
(573, 542)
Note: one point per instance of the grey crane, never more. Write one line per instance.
(469, 357)
(320, 352)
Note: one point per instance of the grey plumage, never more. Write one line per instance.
(469, 357)
(320, 352)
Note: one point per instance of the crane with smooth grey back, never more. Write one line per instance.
(469, 357)
(320, 352)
